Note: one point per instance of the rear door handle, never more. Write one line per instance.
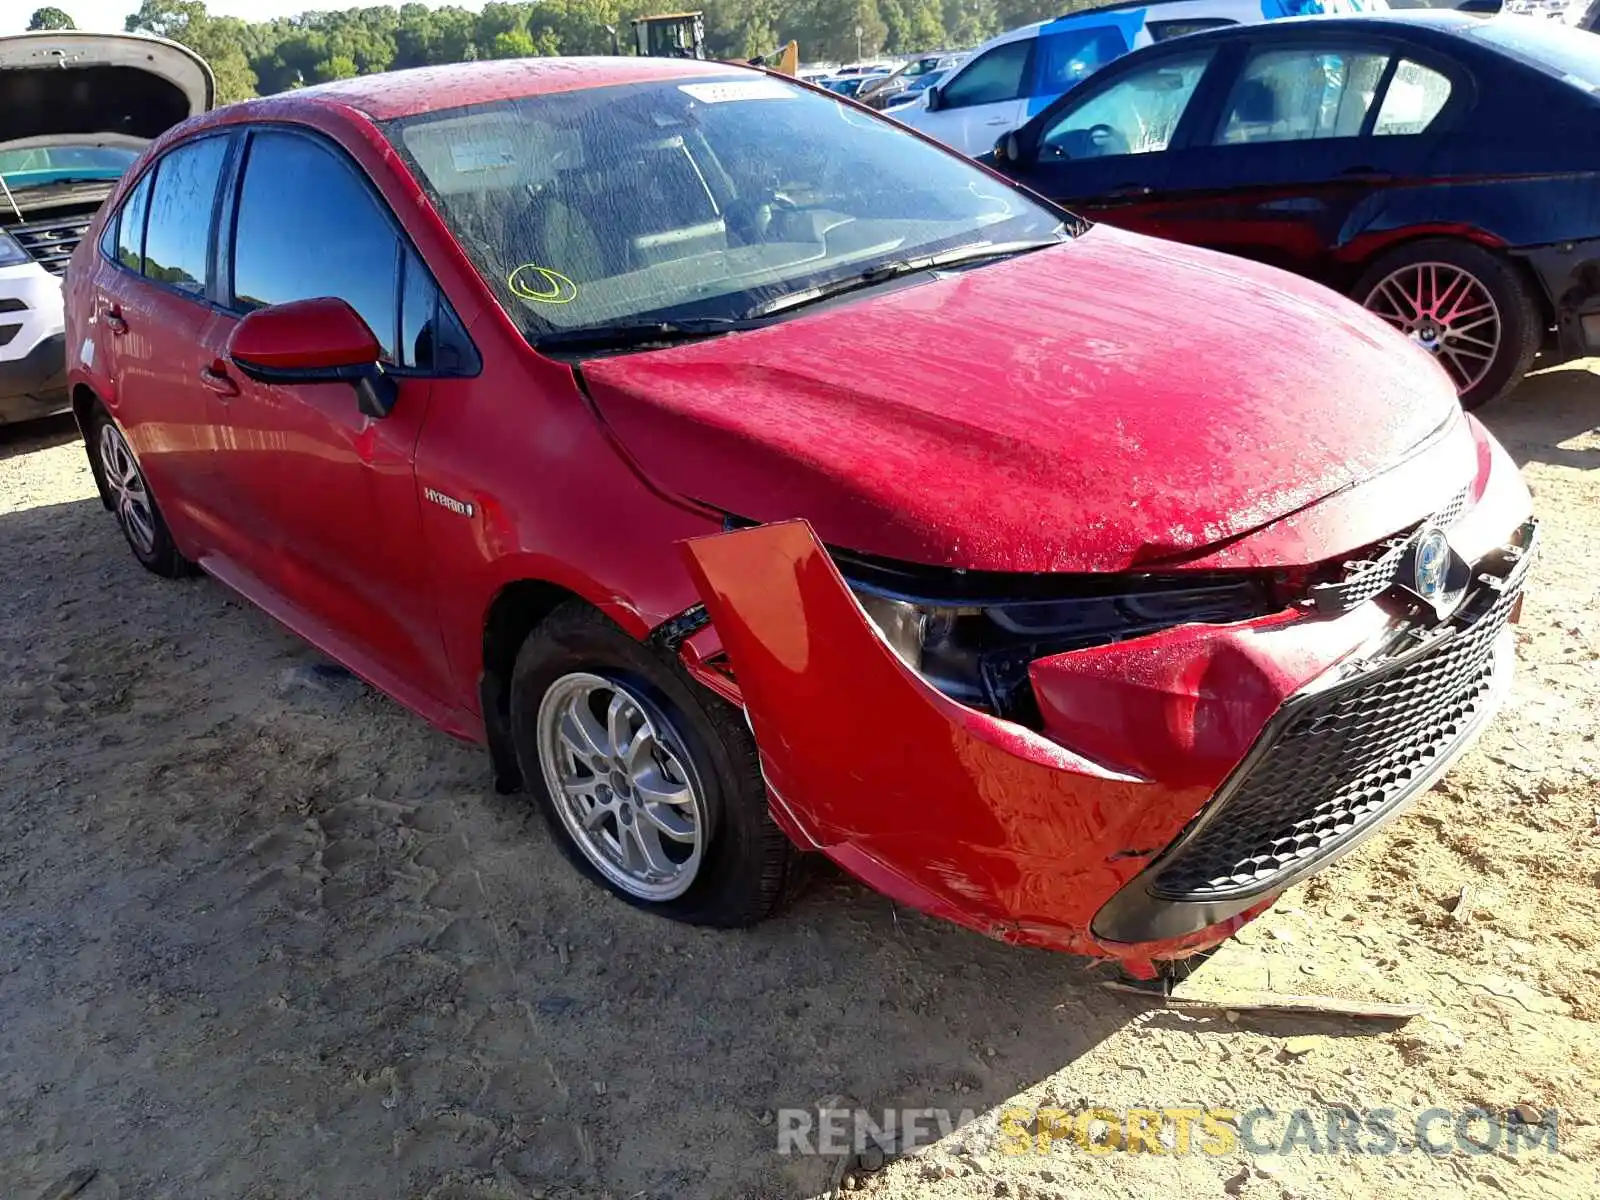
(1366, 175)
(219, 382)
(115, 323)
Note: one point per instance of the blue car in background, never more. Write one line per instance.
(1016, 75)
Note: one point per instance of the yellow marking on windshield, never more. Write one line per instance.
(541, 285)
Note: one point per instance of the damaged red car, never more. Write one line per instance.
(753, 476)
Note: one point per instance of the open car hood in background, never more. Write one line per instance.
(70, 85)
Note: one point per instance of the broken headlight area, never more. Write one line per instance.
(972, 634)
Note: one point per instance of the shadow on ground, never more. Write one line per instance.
(1547, 410)
(262, 933)
(30, 436)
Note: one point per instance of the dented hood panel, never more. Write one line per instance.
(1115, 402)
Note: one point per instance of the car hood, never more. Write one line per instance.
(1113, 403)
(64, 84)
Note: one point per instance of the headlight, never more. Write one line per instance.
(972, 634)
(10, 253)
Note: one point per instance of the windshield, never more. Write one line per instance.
(703, 198)
(1554, 47)
(37, 166)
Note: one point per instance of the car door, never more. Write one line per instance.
(982, 100)
(322, 500)
(1306, 133)
(149, 312)
(1104, 152)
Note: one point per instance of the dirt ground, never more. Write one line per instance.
(264, 934)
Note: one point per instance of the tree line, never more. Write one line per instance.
(252, 58)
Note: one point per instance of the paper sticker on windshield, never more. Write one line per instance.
(470, 155)
(541, 285)
(737, 89)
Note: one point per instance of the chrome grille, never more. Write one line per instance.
(1336, 762)
(1374, 570)
(51, 243)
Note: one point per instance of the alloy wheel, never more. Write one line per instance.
(130, 498)
(624, 789)
(1445, 310)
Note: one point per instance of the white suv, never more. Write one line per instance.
(75, 110)
(1016, 75)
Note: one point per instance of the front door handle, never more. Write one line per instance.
(1366, 175)
(1000, 121)
(1126, 194)
(114, 322)
(218, 381)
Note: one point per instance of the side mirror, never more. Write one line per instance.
(314, 341)
(1008, 149)
(932, 98)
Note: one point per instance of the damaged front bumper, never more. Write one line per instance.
(1180, 781)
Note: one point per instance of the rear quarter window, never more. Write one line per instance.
(177, 237)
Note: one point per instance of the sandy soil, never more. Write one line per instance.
(264, 934)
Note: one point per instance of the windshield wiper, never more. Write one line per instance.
(629, 335)
(883, 272)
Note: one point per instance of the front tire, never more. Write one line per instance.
(133, 503)
(1466, 306)
(649, 783)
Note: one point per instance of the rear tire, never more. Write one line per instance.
(132, 502)
(709, 855)
(1440, 293)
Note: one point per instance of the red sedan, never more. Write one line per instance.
(752, 476)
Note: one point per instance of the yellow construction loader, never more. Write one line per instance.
(683, 35)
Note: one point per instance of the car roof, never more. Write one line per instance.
(1442, 20)
(1133, 13)
(424, 89)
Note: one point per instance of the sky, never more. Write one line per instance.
(107, 16)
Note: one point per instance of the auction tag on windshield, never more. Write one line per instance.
(470, 155)
(737, 89)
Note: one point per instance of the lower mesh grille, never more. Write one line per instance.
(1334, 761)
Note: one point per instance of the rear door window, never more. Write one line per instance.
(177, 235)
(1302, 94)
(1071, 55)
(130, 225)
(308, 226)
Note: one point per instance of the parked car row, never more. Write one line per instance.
(75, 111)
(1015, 75)
(1081, 587)
(1437, 167)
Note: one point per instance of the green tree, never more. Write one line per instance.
(218, 40)
(51, 18)
(340, 66)
(517, 43)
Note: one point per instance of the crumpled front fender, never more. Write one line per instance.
(951, 811)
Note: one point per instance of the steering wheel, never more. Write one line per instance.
(1106, 140)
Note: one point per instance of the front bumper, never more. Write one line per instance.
(1182, 780)
(33, 361)
(35, 385)
(1340, 758)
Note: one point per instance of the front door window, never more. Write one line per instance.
(1136, 115)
